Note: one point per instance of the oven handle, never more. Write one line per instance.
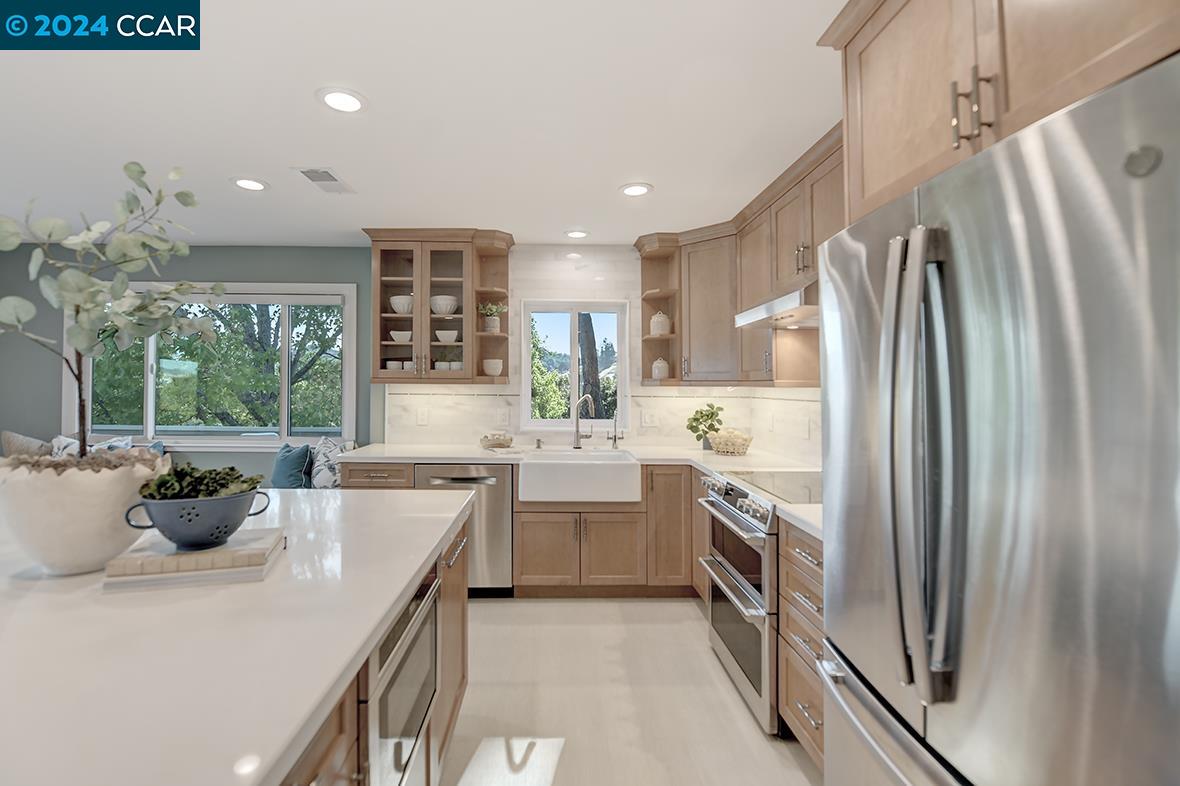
(395, 657)
(754, 537)
(750, 609)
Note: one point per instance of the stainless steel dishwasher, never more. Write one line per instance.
(490, 529)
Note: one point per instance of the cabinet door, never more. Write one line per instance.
(825, 199)
(789, 214)
(545, 549)
(452, 635)
(757, 353)
(447, 272)
(396, 273)
(709, 342)
(897, 71)
(755, 244)
(700, 537)
(614, 548)
(1052, 54)
(669, 526)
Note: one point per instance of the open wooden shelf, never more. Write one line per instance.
(446, 316)
(397, 316)
(446, 343)
(483, 334)
(664, 337)
(493, 292)
(446, 279)
(660, 383)
(397, 343)
(397, 279)
(659, 294)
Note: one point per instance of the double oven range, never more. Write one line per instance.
(742, 566)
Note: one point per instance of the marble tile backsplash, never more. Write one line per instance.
(783, 421)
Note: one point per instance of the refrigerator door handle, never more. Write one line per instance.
(911, 491)
(887, 385)
(941, 378)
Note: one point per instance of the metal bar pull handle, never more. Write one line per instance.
(977, 121)
(956, 132)
(803, 708)
(474, 480)
(910, 466)
(886, 386)
(947, 483)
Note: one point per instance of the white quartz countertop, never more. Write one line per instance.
(808, 517)
(208, 686)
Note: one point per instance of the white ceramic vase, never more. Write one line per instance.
(73, 522)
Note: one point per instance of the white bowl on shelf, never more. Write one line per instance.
(447, 336)
(444, 304)
(401, 336)
(402, 304)
(493, 367)
(393, 365)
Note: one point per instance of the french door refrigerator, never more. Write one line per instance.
(1001, 427)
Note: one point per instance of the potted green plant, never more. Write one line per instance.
(86, 273)
(703, 422)
(491, 316)
(198, 508)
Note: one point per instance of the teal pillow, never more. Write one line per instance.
(292, 469)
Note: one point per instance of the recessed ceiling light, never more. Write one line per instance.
(249, 184)
(342, 100)
(600, 278)
(637, 189)
(573, 255)
(792, 327)
(576, 234)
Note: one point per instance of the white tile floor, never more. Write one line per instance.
(609, 693)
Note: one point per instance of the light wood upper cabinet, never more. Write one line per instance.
(755, 260)
(709, 341)
(546, 549)
(897, 109)
(447, 271)
(790, 217)
(1051, 54)
(669, 525)
(757, 355)
(825, 197)
(452, 633)
(614, 548)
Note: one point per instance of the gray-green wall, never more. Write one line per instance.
(30, 378)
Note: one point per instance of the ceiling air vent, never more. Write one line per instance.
(327, 181)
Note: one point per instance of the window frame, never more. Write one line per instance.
(283, 295)
(621, 308)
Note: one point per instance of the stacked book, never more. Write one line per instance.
(155, 561)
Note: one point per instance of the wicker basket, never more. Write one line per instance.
(730, 442)
(496, 440)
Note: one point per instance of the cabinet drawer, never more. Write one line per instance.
(804, 705)
(799, 633)
(377, 476)
(806, 596)
(331, 756)
(805, 553)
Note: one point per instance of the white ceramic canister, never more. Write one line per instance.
(659, 369)
(661, 324)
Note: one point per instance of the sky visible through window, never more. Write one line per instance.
(554, 329)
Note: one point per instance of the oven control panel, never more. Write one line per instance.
(754, 509)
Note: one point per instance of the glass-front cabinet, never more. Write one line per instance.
(425, 288)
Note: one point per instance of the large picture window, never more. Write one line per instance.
(572, 350)
(281, 370)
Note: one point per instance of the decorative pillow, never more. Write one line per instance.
(292, 469)
(15, 444)
(325, 473)
(68, 446)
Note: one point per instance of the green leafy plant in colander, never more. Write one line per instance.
(705, 421)
(187, 482)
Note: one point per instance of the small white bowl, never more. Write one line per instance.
(393, 365)
(494, 367)
(447, 336)
(402, 304)
(401, 336)
(444, 304)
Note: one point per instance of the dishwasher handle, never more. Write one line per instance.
(474, 480)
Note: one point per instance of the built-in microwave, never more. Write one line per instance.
(403, 681)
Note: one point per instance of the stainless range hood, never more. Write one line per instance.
(783, 313)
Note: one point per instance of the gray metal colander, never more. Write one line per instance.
(194, 524)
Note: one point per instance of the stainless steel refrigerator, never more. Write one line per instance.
(1001, 426)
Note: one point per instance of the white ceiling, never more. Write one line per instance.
(520, 115)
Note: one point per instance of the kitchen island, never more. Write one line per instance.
(203, 686)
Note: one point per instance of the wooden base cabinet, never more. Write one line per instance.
(579, 549)
(669, 525)
(331, 758)
(800, 636)
(700, 536)
(613, 549)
